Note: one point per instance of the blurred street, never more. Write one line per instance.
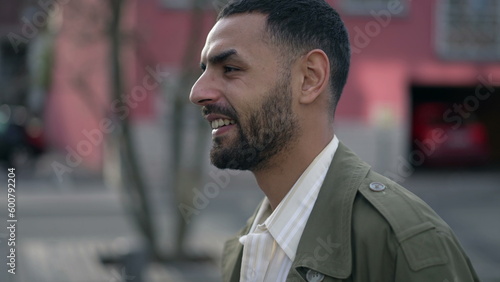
(62, 230)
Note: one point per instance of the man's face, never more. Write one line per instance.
(245, 94)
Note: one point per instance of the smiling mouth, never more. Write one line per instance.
(218, 123)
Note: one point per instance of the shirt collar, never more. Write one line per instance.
(286, 223)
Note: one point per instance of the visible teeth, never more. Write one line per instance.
(221, 122)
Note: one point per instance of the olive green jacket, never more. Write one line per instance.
(357, 234)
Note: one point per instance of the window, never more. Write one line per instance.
(468, 29)
(13, 73)
(368, 7)
(188, 4)
(10, 11)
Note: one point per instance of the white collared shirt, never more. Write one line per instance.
(269, 247)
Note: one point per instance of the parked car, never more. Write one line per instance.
(21, 135)
(449, 138)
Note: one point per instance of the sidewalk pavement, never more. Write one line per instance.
(64, 228)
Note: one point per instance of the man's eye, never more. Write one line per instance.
(229, 69)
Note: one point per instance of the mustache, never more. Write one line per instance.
(217, 109)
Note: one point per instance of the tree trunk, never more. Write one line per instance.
(124, 139)
(186, 178)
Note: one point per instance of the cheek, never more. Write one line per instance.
(247, 93)
(245, 101)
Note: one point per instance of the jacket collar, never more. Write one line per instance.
(325, 245)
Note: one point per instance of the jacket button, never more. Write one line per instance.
(377, 187)
(314, 276)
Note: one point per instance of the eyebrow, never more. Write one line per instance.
(220, 58)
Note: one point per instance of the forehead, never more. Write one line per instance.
(244, 33)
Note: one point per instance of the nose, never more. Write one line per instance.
(204, 91)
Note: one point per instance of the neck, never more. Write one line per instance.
(285, 169)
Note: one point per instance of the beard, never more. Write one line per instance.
(269, 130)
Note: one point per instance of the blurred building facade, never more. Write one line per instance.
(404, 54)
(408, 53)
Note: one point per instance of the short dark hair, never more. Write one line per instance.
(299, 26)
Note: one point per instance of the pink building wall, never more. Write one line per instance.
(80, 97)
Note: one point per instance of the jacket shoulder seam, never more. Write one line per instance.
(415, 232)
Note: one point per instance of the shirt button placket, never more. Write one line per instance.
(252, 275)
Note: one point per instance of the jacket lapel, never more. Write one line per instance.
(233, 253)
(325, 245)
(231, 260)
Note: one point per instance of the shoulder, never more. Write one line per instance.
(403, 221)
(393, 235)
(401, 208)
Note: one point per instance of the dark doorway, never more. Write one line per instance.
(455, 126)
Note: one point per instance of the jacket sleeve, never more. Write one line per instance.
(450, 264)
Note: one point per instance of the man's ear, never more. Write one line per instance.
(316, 73)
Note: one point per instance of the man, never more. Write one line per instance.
(273, 73)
